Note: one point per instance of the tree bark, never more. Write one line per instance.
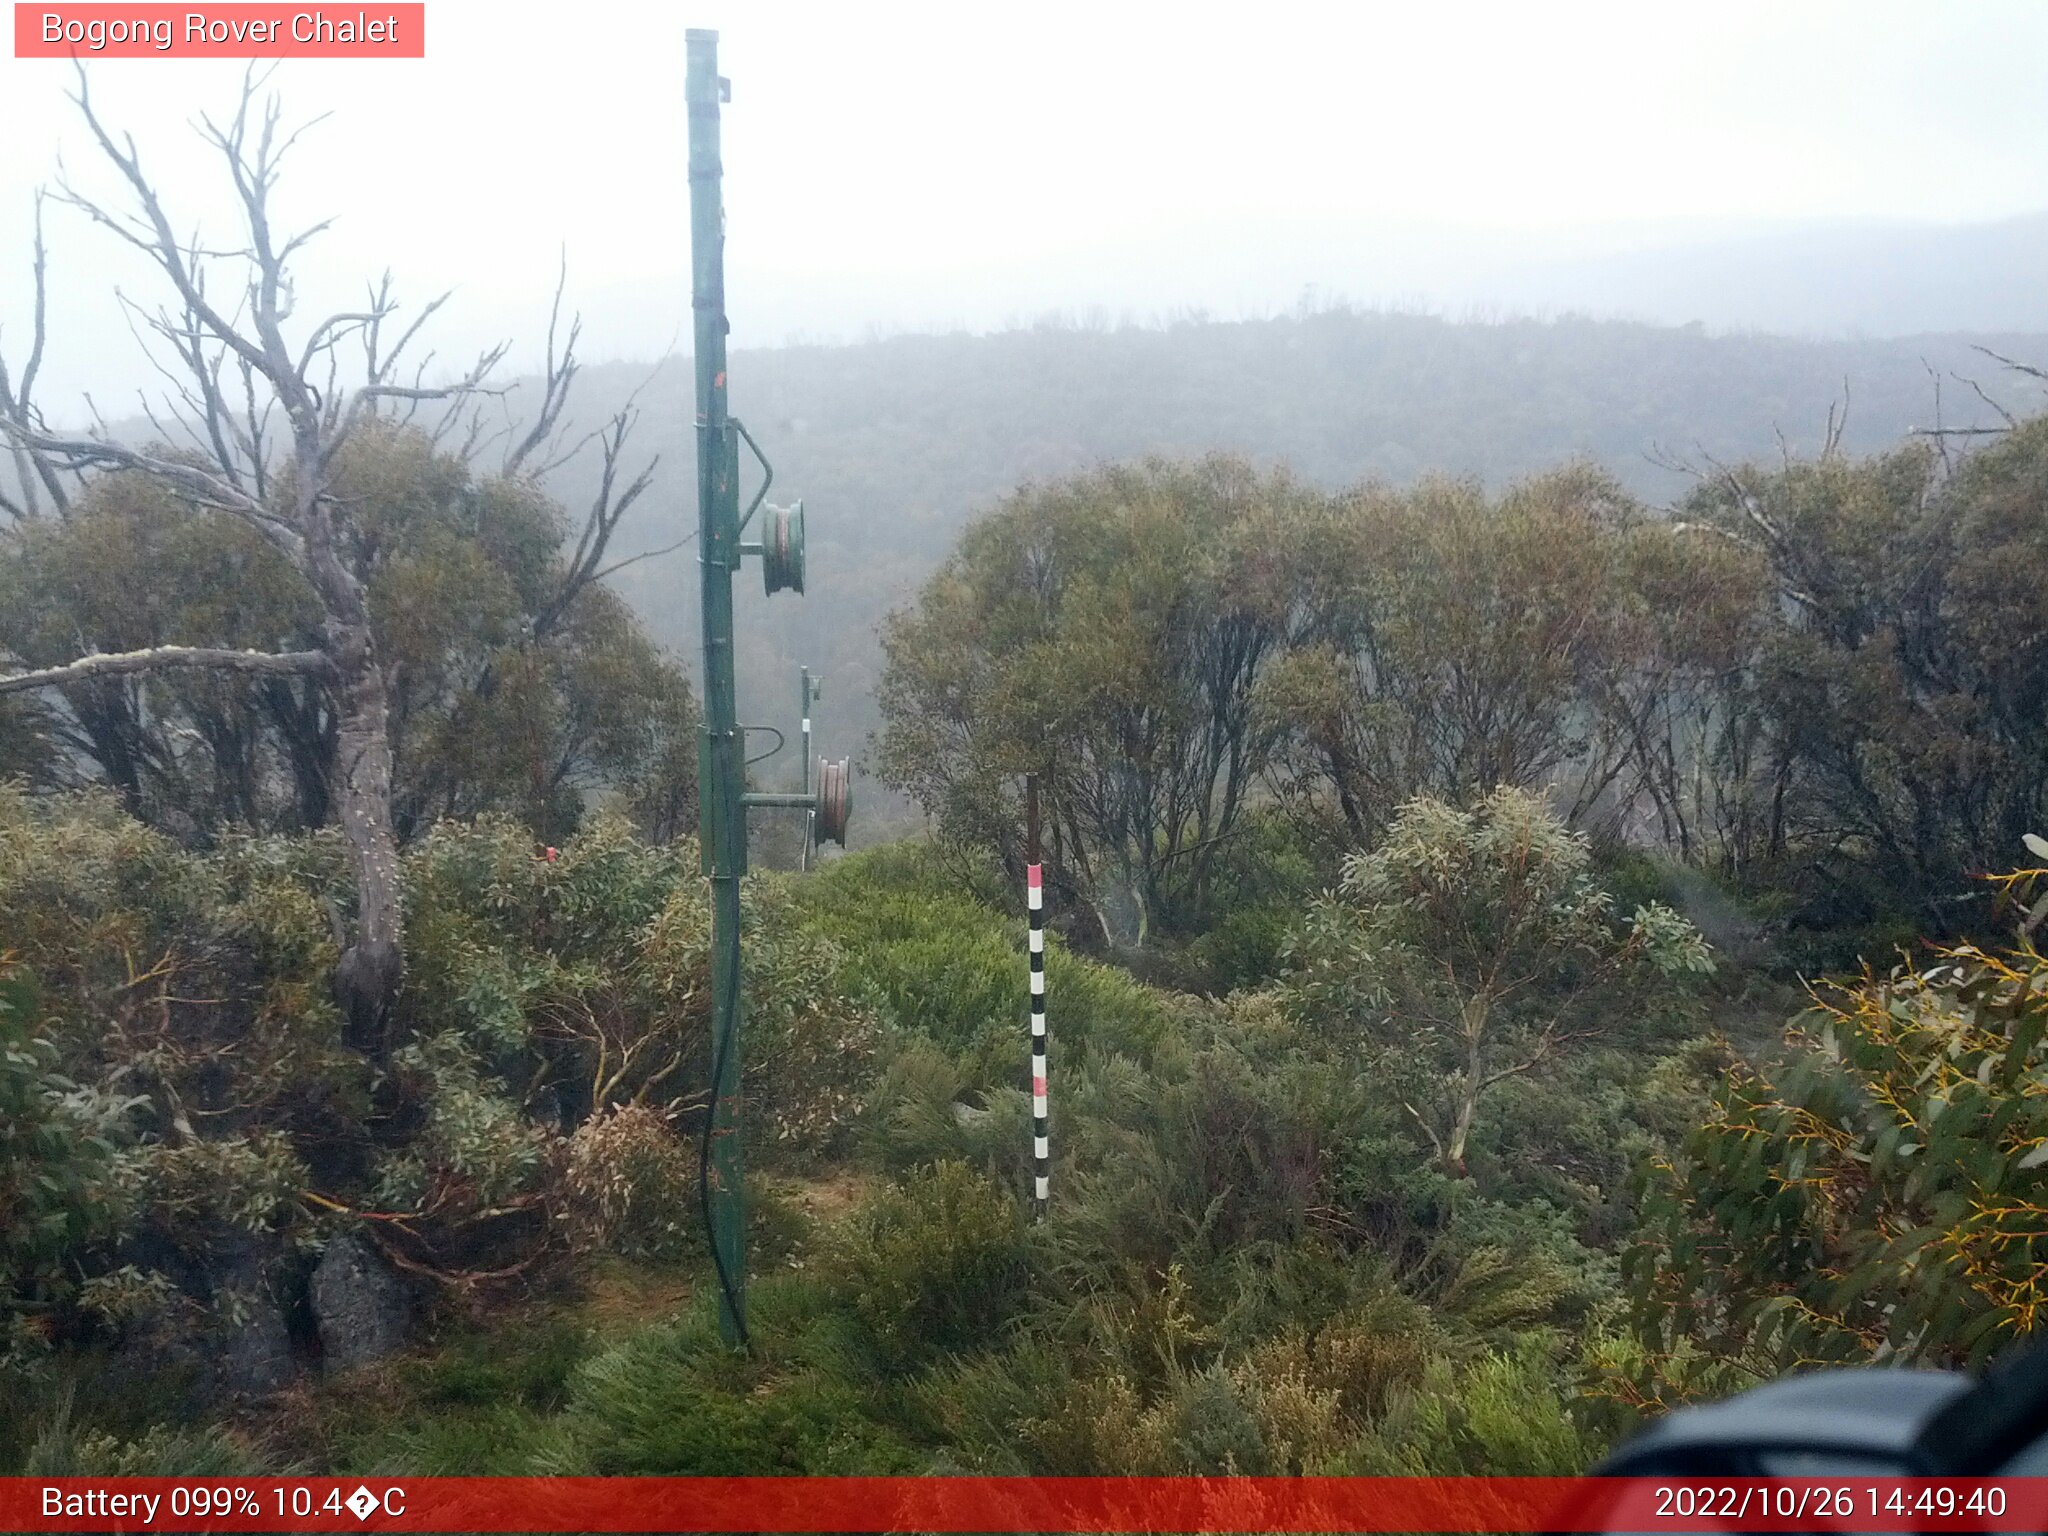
(367, 979)
(1469, 1089)
(1461, 1126)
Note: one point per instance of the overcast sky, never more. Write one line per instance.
(894, 165)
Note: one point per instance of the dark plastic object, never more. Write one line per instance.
(1847, 1423)
(1806, 1426)
(2003, 1416)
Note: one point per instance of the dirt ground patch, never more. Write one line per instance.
(828, 1197)
(619, 1294)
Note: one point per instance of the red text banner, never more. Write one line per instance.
(240, 31)
(994, 1504)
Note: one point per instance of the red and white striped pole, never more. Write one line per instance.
(1034, 901)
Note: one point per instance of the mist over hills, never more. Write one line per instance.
(1813, 278)
(1840, 278)
(896, 444)
(1847, 278)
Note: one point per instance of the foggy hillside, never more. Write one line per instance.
(1818, 279)
(1807, 277)
(895, 444)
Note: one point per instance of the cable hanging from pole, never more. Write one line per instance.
(728, 1288)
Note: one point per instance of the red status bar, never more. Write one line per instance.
(969, 1504)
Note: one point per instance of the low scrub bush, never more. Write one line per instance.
(675, 1400)
(629, 1185)
(933, 1266)
(1881, 1193)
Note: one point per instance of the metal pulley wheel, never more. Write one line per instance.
(835, 801)
(782, 549)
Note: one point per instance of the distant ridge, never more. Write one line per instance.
(1868, 279)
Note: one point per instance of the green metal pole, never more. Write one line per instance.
(721, 759)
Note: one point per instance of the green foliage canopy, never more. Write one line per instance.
(1903, 687)
(1880, 1194)
(1105, 633)
(513, 692)
(1474, 946)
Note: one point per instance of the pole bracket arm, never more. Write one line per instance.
(767, 471)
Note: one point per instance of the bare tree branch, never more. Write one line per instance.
(555, 380)
(1940, 433)
(209, 489)
(152, 232)
(41, 327)
(2015, 365)
(17, 402)
(334, 329)
(607, 510)
(2003, 414)
(649, 554)
(1837, 425)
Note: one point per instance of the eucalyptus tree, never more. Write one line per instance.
(1460, 642)
(1105, 633)
(1474, 945)
(1902, 679)
(257, 425)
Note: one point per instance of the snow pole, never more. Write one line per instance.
(1034, 902)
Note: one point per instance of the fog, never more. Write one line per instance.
(1827, 168)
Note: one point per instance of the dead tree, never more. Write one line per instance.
(256, 419)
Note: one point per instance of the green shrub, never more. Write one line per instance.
(495, 1440)
(474, 1149)
(928, 958)
(932, 1266)
(1502, 1415)
(1363, 1358)
(1242, 948)
(914, 1118)
(588, 977)
(63, 1449)
(1211, 1425)
(59, 1185)
(933, 961)
(1264, 873)
(482, 1369)
(811, 1042)
(677, 1401)
(249, 1182)
(629, 1185)
(1882, 1193)
(1473, 946)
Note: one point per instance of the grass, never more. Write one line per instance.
(498, 1395)
(478, 1397)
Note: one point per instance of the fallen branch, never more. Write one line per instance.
(166, 658)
